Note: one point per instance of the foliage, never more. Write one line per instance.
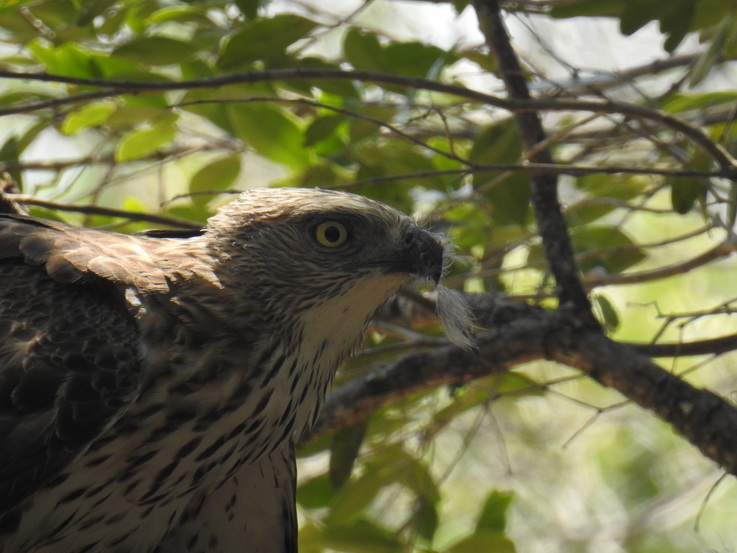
(133, 121)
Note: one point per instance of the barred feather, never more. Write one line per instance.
(152, 387)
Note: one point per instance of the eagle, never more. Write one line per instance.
(153, 386)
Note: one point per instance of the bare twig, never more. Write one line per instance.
(25, 199)
(551, 223)
(111, 88)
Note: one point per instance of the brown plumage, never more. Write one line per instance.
(152, 387)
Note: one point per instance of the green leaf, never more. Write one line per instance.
(16, 145)
(676, 22)
(263, 39)
(509, 198)
(389, 466)
(515, 383)
(587, 8)
(216, 175)
(66, 59)
(713, 53)
(133, 203)
(322, 128)
(493, 514)
(425, 519)
(638, 13)
(395, 157)
(415, 59)
(355, 495)
(684, 191)
(342, 90)
(681, 102)
(484, 541)
(607, 313)
(614, 186)
(360, 537)
(142, 142)
(344, 451)
(597, 240)
(137, 15)
(180, 14)
(90, 115)
(363, 50)
(271, 132)
(249, 8)
(156, 50)
(674, 16)
(316, 492)
(91, 9)
(498, 143)
(363, 128)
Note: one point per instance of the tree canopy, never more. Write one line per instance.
(593, 210)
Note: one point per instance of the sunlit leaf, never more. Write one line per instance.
(142, 142)
(179, 14)
(679, 103)
(67, 59)
(271, 132)
(263, 39)
(90, 115)
(216, 175)
(156, 50)
(322, 128)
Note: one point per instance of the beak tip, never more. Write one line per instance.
(425, 252)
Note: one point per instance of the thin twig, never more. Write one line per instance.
(176, 222)
(121, 87)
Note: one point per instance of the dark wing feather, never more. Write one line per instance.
(172, 233)
(68, 362)
(255, 508)
(71, 254)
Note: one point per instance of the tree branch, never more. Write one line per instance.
(121, 87)
(551, 223)
(25, 199)
(519, 333)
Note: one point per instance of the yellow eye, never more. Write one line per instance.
(331, 234)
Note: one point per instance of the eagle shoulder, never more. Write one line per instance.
(68, 350)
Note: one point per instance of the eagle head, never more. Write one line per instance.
(315, 253)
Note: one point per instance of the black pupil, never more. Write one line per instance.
(332, 234)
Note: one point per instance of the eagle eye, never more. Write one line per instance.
(331, 234)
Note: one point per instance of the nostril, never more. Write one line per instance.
(424, 252)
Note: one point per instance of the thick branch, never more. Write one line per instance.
(549, 214)
(519, 333)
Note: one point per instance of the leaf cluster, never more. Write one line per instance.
(647, 207)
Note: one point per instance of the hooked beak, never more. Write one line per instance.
(421, 254)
